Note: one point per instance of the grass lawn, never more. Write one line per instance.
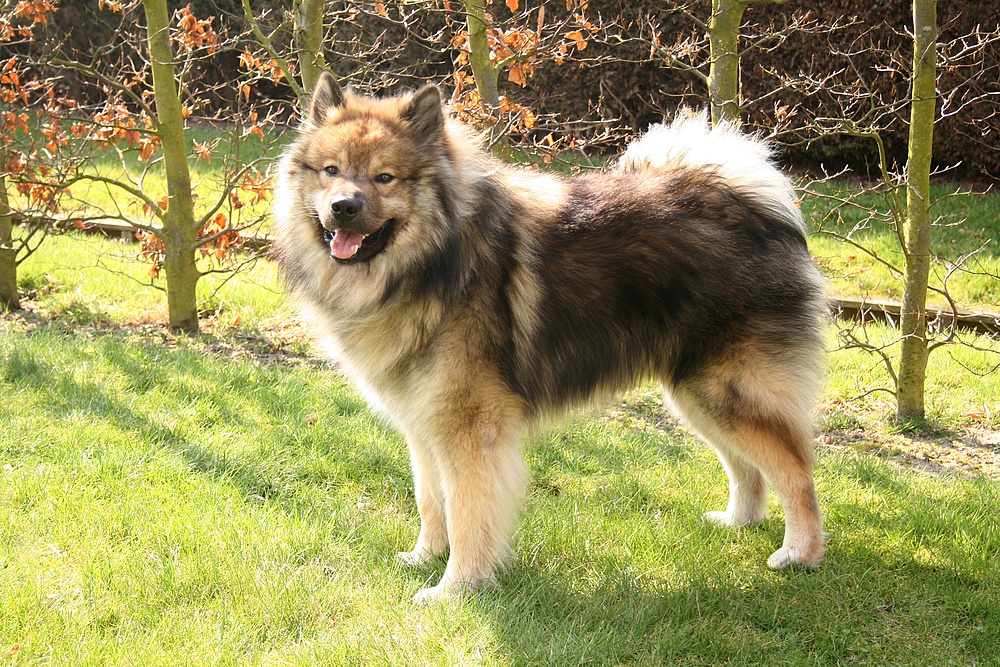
(228, 500)
(964, 225)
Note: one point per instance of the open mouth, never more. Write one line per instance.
(348, 247)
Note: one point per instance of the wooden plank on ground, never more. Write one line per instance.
(879, 310)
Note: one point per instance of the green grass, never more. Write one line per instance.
(90, 280)
(964, 224)
(164, 505)
(196, 500)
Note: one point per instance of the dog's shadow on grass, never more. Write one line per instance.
(887, 576)
(548, 619)
(898, 567)
(831, 616)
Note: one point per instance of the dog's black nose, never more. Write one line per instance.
(346, 209)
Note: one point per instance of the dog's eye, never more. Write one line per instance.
(331, 170)
(384, 178)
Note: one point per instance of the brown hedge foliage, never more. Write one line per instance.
(640, 91)
(624, 82)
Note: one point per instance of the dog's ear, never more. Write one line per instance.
(424, 113)
(325, 97)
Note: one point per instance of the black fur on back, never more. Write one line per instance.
(632, 286)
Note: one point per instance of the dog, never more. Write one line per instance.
(471, 301)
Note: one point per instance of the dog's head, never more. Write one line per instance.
(366, 164)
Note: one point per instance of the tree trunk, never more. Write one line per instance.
(8, 255)
(724, 59)
(179, 226)
(917, 232)
(487, 75)
(309, 42)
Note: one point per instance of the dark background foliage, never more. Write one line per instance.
(622, 80)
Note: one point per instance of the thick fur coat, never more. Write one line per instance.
(471, 301)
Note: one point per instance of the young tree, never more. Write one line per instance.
(869, 104)
(856, 100)
(917, 230)
(180, 228)
(484, 69)
(309, 41)
(714, 57)
(30, 140)
(724, 57)
(8, 253)
(517, 45)
(141, 87)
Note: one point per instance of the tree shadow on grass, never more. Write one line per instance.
(63, 395)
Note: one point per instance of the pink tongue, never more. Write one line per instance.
(345, 244)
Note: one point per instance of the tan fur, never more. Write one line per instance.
(504, 297)
(769, 447)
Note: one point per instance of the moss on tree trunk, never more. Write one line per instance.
(309, 41)
(487, 75)
(724, 58)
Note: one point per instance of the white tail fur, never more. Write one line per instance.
(742, 160)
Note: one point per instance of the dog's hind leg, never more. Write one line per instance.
(760, 425)
(433, 539)
(747, 493)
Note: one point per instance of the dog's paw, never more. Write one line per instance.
(787, 557)
(721, 519)
(415, 558)
(435, 594)
(730, 521)
(452, 587)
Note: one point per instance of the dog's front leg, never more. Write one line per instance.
(433, 539)
(483, 478)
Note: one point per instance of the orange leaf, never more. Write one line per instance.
(577, 36)
(516, 75)
(248, 60)
(512, 5)
(245, 89)
(528, 118)
(202, 151)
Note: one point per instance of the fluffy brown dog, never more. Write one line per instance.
(470, 301)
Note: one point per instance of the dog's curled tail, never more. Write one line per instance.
(744, 162)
